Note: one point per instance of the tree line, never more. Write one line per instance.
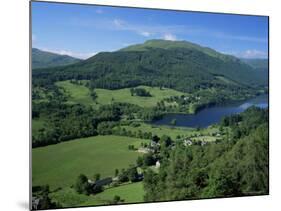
(234, 167)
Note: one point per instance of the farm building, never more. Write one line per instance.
(187, 142)
(154, 144)
(144, 150)
(157, 165)
(103, 182)
(203, 143)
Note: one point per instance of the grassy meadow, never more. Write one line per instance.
(81, 94)
(129, 193)
(76, 93)
(59, 165)
(173, 132)
(123, 95)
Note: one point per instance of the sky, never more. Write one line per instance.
(84, 30)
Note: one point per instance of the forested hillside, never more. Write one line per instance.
(235, 166)
(200, 76)
(150, 116)
(176, 67)
(105, 106)
(260, 65)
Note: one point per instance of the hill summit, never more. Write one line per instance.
(181, 65)
(168, 44)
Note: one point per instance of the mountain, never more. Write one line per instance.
(180, 65)
(261, 65)
(43, 59)
(167, 44)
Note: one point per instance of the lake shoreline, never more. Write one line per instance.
(233, 107)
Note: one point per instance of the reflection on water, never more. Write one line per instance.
(211, 115)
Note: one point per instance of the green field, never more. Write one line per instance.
(123, 95)
(68, 197)
(76, 93)
(81, 94)
(59, 165)
(206, 138)
(130, 193)
(173, 132)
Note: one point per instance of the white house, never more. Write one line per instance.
(144, 150)
(187, 142)
(157, 165)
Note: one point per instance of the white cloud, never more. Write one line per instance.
(238, 37)
(123, 25)
(119, 23)
(145, 34)
(250, 54)
(254, 54)
(159, 31)
(162, 31)
(99, 11)
(80, 55)
(169, 37)
(169, 31)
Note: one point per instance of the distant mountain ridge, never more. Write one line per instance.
(44, 59)
(180, 65)
(258, 64)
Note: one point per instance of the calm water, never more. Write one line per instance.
(211, 115)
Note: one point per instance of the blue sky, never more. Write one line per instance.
(84, 30)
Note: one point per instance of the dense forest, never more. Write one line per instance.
(237, 166)
(65, 122)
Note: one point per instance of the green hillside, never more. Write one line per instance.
(64, 162)
(81, 94)
(76, 93)
(43, 59)
(236, 166)
(260, 65)
(180, 65)
(123, 95)
(257, 63)
(129, 193)
(181, 78)
(167, 44)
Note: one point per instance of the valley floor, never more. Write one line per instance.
(59, 165)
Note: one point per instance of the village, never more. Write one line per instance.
(151, 160)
